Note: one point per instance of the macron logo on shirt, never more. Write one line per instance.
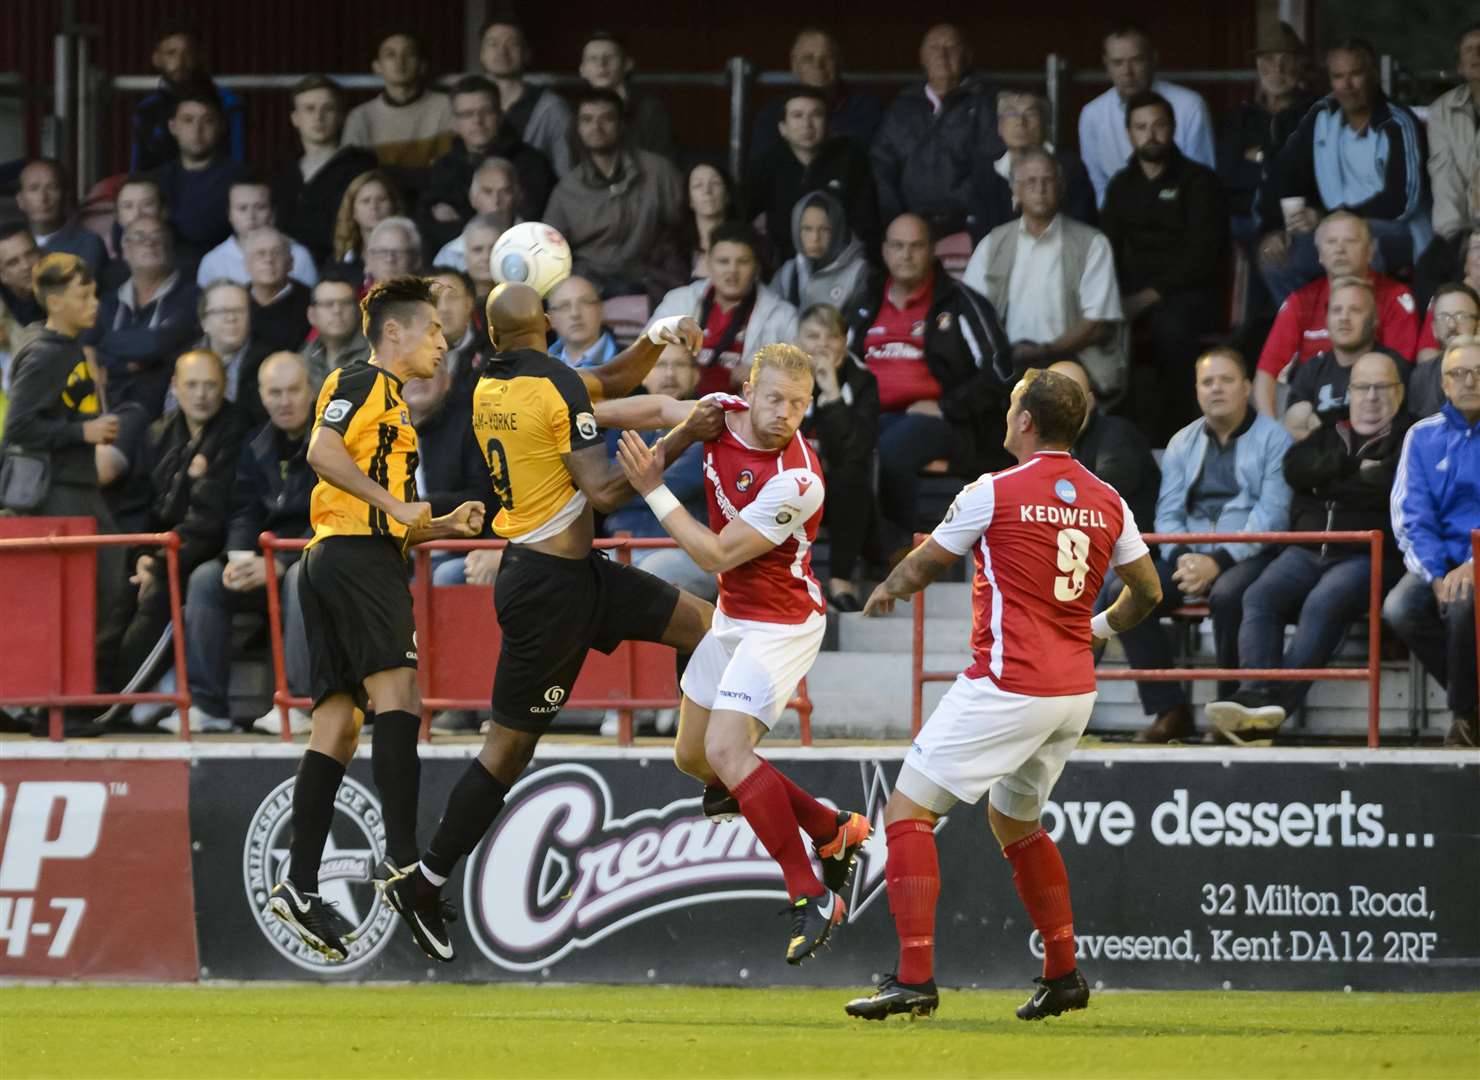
(1064, 515)
(802, 485)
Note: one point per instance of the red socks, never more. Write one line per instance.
(817, 821)
(767, 806)
(1043, 885)
(912, 875)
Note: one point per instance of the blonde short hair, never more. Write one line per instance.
(787, 359)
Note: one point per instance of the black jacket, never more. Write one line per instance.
(51, 396)
(1116, 451)
(453, 468)
(922, 159)
(968, 352)
(1171, 233)
(991, 196)
(283, 324)
(779, 180)
(451, 175)
(306, 210)
(273, 485)
(1330, 491)
(648, 125)
(1248, 126)
(196, 506)
(847, 430)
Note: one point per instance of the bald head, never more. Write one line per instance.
(285, 389)
(1374, 393)
(199, 385)
(907, 251)
(516, 317)
(1072, 371)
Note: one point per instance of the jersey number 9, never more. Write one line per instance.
(1074, 562)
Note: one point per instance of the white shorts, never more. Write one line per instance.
(981, 737)
(752, 667)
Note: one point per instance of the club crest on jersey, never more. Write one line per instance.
(744, 480)
(1065, 491)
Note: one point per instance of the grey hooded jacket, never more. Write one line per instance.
(838, 276)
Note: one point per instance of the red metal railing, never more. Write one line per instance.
(1372, 673)
(425, 595)
(56, 702)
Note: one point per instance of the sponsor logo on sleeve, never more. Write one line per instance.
(586, 425)
(337, 410)
(787, 514)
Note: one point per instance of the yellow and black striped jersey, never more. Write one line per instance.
(363, 403)
(528, 410)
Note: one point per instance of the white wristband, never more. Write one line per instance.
(1099, 626)
(661, 501)
(669, 322)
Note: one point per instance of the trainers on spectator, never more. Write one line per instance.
(666, 721)
(1464, 731)
(201, 722)
(271, 722)
(1247, 712)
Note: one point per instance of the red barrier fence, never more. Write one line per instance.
(458, 634)
(1372, 673)
(57, 700)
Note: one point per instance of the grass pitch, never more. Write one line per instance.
(584, 1031)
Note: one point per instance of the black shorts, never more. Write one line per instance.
(355, 592)
(552, 611)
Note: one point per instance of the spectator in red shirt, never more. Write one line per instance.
(1428, 340)
(1344, 246)
(944, 367)
(737, 312)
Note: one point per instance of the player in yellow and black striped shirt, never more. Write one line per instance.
(555, 597)
(355, 592)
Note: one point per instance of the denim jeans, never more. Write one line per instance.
(209, 606)
(1321, 596)
(907, 443)
(1147, 645)
(1442, 639)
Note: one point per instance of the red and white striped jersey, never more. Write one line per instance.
(1043, 534)
(779, 494)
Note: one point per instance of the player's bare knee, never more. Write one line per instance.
(395, 690)
(691, 761)
(902, 808)
(1009, 830)
(507, 752)
(689, 623)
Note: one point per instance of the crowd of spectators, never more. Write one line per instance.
(165, 357)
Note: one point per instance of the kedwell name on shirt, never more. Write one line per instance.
(1064, 515)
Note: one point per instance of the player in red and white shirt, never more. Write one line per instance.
(765, 504)
(1042, 536)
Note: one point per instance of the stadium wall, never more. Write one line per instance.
(1279, 869)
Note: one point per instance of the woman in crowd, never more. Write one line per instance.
(370, 198)
(711, 202)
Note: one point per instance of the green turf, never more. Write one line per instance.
(581, 1031)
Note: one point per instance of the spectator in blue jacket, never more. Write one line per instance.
(1354, 150)
(1435, 505)
(1221, 473)
(146, 322)
(177, 58)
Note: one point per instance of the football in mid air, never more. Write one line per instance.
(533, 254)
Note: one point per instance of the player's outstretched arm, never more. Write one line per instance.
(604, 483)
(330, 458)
(645, 412)
(915, 571)
(620, 375)
(463, 523)
(1139, 598)
(738, 543)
